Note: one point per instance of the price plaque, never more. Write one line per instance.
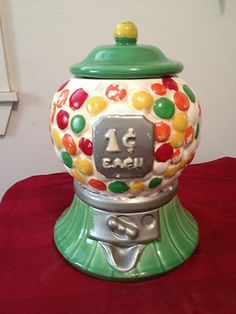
(123, 146)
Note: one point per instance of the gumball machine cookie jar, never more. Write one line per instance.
(125, 126)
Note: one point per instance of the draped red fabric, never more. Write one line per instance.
(34, 278)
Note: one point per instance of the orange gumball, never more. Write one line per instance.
(181, 101)
(161, 131)
(176, 156)
(99, 185)
(69, 144)
(115, 92)
(158, 89)
(54, 107)
(189, 135)
(62, 98)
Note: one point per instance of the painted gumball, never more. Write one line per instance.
(62, 119)
(86, 146)
(115, 92)
(77, 98)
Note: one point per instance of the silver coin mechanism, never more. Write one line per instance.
(124, 229)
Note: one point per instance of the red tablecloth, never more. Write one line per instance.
(34, 278)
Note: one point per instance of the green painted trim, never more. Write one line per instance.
(178, 240)
(125, 41)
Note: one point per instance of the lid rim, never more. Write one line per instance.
(119, 71)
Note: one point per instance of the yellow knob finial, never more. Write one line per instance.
(126, 33)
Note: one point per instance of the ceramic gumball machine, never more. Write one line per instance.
(125, 126)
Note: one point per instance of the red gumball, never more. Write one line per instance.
(62, 86)
(164, 152)
(170, 83)
(86, 146)
(78, 98)
(62, 119)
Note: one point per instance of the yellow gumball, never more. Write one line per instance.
(77, 176)
(183, 163)
(170, 171)
(96, 104)
(56, 138)
(180, 122)
(137, 186)
(84, 166)
(177, 139)
(142, 100)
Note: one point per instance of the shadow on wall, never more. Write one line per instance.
(222, 6)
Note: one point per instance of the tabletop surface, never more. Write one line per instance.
(34, 278)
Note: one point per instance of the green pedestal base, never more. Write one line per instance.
(178, 239)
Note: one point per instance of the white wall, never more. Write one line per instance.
(44, 37)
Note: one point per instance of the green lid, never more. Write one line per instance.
(126, 59)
